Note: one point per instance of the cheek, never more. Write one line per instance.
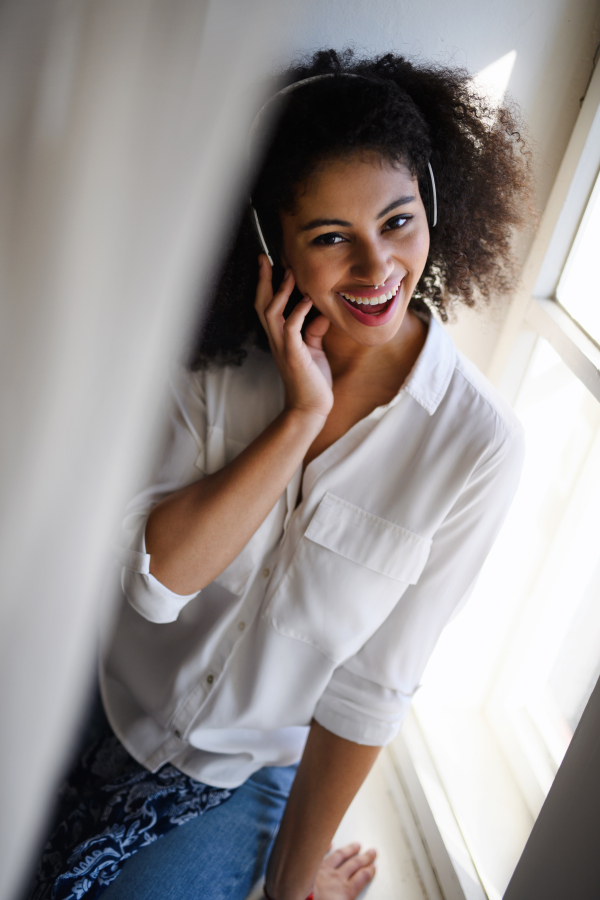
(311, 274)
(295, 257)
(424, 244)
(419, 251)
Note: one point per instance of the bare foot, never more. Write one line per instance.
(345, 873)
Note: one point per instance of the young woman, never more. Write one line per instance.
(335, 476)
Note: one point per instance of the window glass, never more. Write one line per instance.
(579, 287)
(508, 682)
(557, 537)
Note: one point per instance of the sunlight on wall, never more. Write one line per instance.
(494, 79)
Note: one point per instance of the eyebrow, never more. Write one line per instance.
(319, 223)
(399, 202)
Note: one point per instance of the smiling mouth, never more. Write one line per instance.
(371, 305)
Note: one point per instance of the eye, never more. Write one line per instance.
(397, 222)
(329, 239)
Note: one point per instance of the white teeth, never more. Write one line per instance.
(372, 301)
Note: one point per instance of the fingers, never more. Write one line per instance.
(297, 316)
(315, 332)
(270, 306)
(356, 862)
(292, 328)
(264, 288)
(335, 859)
(361, 878)
(346, 868)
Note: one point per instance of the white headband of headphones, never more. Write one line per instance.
(289, 89)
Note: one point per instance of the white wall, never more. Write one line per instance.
(121, 152)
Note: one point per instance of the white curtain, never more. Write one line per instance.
(122, 147)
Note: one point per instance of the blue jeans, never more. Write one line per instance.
(158, 836)
(217, 856)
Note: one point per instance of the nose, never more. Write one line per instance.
(372, 263)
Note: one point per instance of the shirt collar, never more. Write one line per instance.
(431, 374)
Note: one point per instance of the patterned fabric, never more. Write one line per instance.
(109, 808)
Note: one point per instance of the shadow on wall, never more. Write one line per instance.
(117, 178)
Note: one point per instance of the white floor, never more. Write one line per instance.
(380, 817)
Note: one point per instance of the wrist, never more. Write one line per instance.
(307, 422)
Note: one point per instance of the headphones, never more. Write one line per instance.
(431, 190)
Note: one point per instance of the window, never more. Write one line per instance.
(510, 678)
(578, 290)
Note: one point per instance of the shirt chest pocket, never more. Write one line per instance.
(349, 570)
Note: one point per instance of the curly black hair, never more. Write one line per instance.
(406, 114)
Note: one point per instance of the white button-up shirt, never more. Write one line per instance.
(333, 607)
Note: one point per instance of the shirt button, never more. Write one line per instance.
(266, 572)
(241, 625)
(210, 678)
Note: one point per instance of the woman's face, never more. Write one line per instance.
(357, 244)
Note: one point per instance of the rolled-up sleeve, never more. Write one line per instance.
(361, 710)
(181, 463)
(369, 695)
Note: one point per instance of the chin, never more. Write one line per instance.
(374, 337)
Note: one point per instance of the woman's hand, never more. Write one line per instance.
(221, 512)
(344, 873)
(302, 364)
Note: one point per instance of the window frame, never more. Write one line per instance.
(535, 306)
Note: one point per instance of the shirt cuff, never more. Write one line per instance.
(146, 594)
(360, 710)
(151, 599)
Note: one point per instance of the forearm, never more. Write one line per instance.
(194, 534)
(329, 775)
